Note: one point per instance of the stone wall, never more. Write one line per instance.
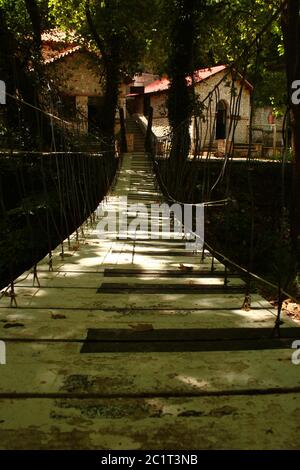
(79, 75)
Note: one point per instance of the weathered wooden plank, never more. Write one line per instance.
(56, 367)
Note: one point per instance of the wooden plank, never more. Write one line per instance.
(151, 423)
(54, 367)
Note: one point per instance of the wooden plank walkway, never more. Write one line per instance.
(121, 347)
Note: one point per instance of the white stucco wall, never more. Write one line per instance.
(224, 93)
(158, 102)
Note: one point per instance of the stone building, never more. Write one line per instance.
(77, 72)
(220, 111)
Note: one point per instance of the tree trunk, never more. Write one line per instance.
(180, 96)
(123, 140)
(35, 18)
(109, 48)
(7, 53)
(111, 92)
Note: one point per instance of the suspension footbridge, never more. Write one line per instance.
(141, 343)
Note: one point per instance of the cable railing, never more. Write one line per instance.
(152, 145)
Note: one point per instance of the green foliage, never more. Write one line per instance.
(241, 22)
(132, 21)
(119, 32)
(223, 31)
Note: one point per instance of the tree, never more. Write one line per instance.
(119, 33)
(21, 25)
(189, 29)
(234, 26)
(180, 99)
(35, 17)
(109, 45)
(290, 21)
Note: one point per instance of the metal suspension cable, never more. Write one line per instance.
(52, 116)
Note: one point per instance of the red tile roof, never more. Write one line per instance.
(51, 55)
(203, 74)
(157, 85)
(57, 44)
(199, 76)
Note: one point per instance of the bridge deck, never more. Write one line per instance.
(132, 344)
